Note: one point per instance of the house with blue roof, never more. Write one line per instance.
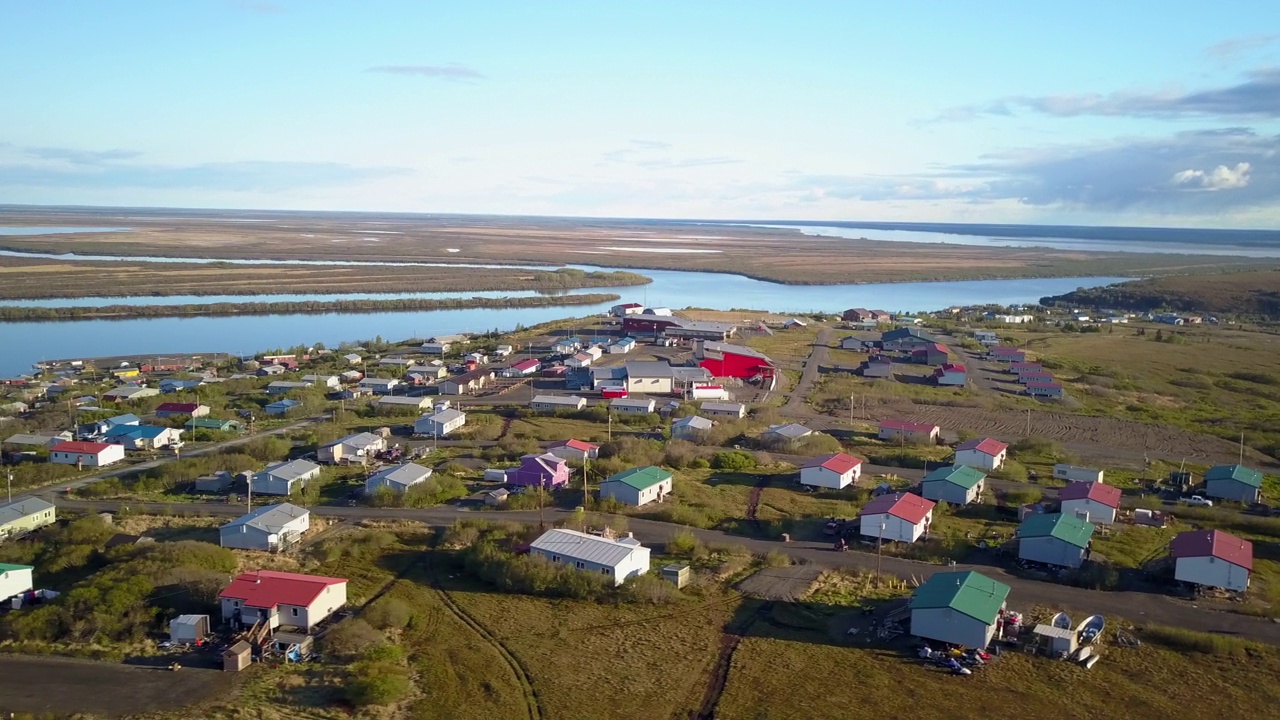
(281, 407)
(142, 437)
(170, 385)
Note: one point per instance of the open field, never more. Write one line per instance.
(63, 686)
(48, 278)
(772, 254)
(1235, 293)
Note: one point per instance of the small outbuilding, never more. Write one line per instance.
(188, 629)
(1055, 641)
(677, 575)
(237, 657)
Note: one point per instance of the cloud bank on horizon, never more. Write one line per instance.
(665, 110)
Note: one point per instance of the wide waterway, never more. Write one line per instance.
(24, 343)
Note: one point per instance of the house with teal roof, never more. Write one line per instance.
(961, 608)
(637, 486)
(955, 484)
(1233, 482)
(1055, 539)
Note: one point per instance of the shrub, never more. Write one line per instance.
(700, 463)
(733, 460)
(377, 683)
(684, 544)
(388, 613)
(351, 638)
(649, 589)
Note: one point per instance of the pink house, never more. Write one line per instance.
(545, 469)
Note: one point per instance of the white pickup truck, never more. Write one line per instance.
(1198, 501)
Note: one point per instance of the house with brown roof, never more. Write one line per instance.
(1094, 501)
(1212, 558)
(835, 471)
(897, 517)
(912, 432)
(982, 453)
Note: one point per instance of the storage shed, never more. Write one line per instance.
(677, 575)
(1055, 641)
(237, 657)
(188, 628)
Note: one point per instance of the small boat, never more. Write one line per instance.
(1093, 660)
(1083, 654)
(1061, 621)
(1091, 629)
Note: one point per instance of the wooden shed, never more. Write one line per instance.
(1055, 641)
(237, 657)
(677, 575)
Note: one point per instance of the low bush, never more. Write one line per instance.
(733, 460)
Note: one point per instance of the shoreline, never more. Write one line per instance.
(140, 312)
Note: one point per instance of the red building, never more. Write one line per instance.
(648, 324)
(734, 361)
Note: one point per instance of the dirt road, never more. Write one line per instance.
(817, 358)
(1139, 607)
(63, 686)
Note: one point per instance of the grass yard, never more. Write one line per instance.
(549, 428)
(848, 682)
(787, 346)
(1213, 379)
(589, 660)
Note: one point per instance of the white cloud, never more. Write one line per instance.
(1220, 178)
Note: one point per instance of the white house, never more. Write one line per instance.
(86, 454)
(1094, 501)
(637, 486)
(574, 450)
(724, 409)
(1063, 471)
(1055, 539)
(954, 484)
(328, 382)
(284, 478)
(1212, 558)
(580, 360)
(625, 345)
(503, 351)
(835, 471)
(280, 387)
(785, 434)
(984, 454)
(392, 403)
(690, 428)
(896, 517)
(551, 403)
(615, 559)
(629, 405)
(378, 386)
(960, 608)
(353, 359)
(281, 599)
(357, 447)
(15, 580)
(269, 528)
(439, 424)
(912, 432)
(397, 477)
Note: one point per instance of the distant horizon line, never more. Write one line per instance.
(962, 228)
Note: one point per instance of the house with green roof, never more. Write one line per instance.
(961, 608)
(1055, 539)
(14, 580)
(955, 484)
(1233, 482)
(208, 423)
(637, 486)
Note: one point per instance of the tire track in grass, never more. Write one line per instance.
(729, 642)
(531, 700)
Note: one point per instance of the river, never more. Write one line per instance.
(24, 343)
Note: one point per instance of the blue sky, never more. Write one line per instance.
(1091, 112)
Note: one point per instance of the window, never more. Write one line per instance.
(293, 612)
(555, 558)
(580, 565)
(606, 571)
(235, 603)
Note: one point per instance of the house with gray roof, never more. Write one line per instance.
(20, 517)
(783, 434)
(690, 428)
(284, 478)
(397, 477)
(616, 560)
(270, 528)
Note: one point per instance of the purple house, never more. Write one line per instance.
(534, 470)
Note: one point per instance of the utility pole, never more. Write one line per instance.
(879, 554)
(850, 408)
(1028, 433)
(610, 427)
(542, 524)
(1241, 448)
(586, 463)
(10, 485)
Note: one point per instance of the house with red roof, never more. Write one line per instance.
(1007, 353)
(174, 409)
(1017, 368)
(835, 471)
(1094, 501)
(934, 353)
(574, 450)
(898, 517)
(524, 368)
(982, 453)
(1044, 389)
(1212, 558)
(951, 374)
(281, 599)
(911, 432)
(86, 454)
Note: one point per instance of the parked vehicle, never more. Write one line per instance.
(1198, 501)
